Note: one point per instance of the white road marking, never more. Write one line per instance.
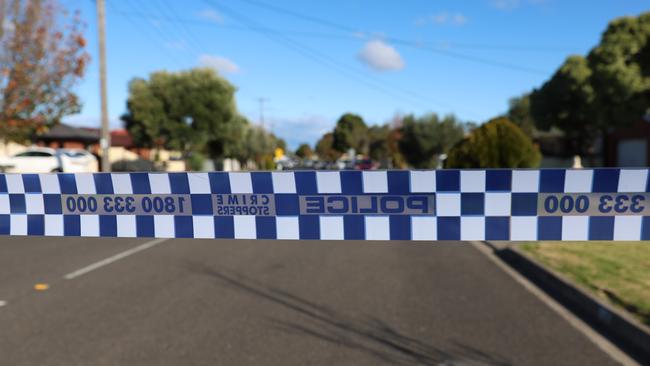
(112, 259)
(2, 303)
(601, 342)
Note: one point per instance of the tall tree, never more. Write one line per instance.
(325, 148)
(586, 97)
(498, 143)
(620, 67)
(304, 151)
(351, 132)
(378, 144)
(566, 101)
(519, 113)
(259, 146)
(41, 58)
(383, 146)
(191, 111)
(425, 138)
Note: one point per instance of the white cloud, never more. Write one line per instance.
(380, 56)
(219, 63)
(443, 18)
(211, 15)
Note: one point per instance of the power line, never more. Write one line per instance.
(331, 24)
(354, 36)
(190, 36)
(325, 60)
(146, 32)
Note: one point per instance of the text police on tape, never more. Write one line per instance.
(246, 204)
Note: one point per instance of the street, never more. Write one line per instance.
(207, 302)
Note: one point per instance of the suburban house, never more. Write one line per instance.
(122, 147)
(629, 147)
(621, 147)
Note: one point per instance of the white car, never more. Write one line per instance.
(45, 160)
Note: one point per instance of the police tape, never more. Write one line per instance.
(499, 204)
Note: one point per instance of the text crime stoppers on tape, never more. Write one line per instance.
(499, 204)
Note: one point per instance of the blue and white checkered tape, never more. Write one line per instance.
(499, 204)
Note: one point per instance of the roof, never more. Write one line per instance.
(119, 137)
(67, 132)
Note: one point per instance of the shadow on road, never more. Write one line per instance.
(369, 335)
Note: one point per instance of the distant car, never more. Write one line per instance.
(365, 164)
(45, 160)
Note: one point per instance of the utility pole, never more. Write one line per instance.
(105, 139)
(261, 101)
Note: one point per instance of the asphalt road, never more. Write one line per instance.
(197, 302)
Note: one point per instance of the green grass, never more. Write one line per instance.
(617, 272)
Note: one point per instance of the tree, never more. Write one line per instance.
(191, 111)
(424, 138)
(498, 143)
(304, 151)
(566, 101)
(587, 97)
(620, 67)
(351, 132)
(325, 148)
(383, 146)
(378, 148)
(41, 58)
(232, 144)
(519, 113)
(259, 147)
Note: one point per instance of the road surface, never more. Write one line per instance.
(200, 302)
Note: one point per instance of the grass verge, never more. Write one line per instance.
(617, 272)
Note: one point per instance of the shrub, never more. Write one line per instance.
(498, 143)
(195, 161)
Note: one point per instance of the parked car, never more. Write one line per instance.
(45, 160)
(365, 164)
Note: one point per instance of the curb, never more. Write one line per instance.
(618, 327)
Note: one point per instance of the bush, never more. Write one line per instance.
(195, 161)
(498, 143)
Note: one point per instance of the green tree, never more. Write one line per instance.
(325, 148)
(351, 132)
(566, 101)
(191, 111)
(304, 151)
(259, 147)
(620, 67)
(586, 97)
(378, 143)
(424, 138)
(519, 113)
(383, 146)
(498, 143)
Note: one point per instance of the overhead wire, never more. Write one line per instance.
(328, 62)
(404, 42)
(156, 34)
(353, 35)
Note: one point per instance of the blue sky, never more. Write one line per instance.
(315, 60)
